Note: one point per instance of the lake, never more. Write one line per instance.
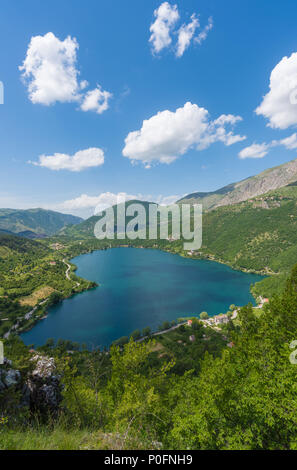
(139, 288)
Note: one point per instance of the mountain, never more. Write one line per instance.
(86, 228)
(6, 232)
(248, 188)
(33, 223)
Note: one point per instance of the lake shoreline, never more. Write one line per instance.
(184, 311)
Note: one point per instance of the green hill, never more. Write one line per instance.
(35, 222)
(86, 228)
(19, 247)
(259, 234)
(32, 272)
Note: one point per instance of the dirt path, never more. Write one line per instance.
(67, 272)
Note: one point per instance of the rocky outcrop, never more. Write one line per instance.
(8, 377)
(43, 386)
(41, 390)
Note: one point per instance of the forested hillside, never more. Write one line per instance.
(35, 222)
(32, 276)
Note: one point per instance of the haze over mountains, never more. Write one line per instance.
(248, 188)
(34, 223)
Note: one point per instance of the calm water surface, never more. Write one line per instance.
(138, 288)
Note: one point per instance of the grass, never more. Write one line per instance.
(61, 438)
(46, 439)
(37, 296)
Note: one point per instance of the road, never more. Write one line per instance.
(29, 314)
(161, 332)
(67, 272)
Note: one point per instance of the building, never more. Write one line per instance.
(221, 319)
(57, 246)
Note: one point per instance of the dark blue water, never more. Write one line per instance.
(139, 288)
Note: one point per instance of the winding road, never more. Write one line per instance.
(67, 272)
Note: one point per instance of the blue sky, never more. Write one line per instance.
(182, 149)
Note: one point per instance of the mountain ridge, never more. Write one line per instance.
(33, 223)
(253, 186)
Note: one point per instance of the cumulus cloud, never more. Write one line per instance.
(260, 150)
(166, 17)
(279, 105)
(204, 33)
(86, 205)
(185, 35)
(254, 151)
(290, 142)
(168, 135)
(100, 202)
(81, 160)
(96, 100)
(51, 74)
(217, 132)
(50, 69)
(164, 29)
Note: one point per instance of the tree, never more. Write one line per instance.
(204, 315)
(196, 324)
(55, 297)
(146, 331)
(165, 325)
(61, 343)
(121, 341)
(50, 343)
(136, 334)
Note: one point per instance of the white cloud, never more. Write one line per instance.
(81, 160)
(185, 35)
(165, 200)
(101, 202)
(50, 69)
(279, 105)
(86, 205)
(96, 100)
(254, 151)
(168, 135)
(290, 142)
(51, 74)
(204, 33)
(166, 17)
(260, 150)
(163, 30)
(216, 132)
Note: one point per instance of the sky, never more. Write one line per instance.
(143, 98)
